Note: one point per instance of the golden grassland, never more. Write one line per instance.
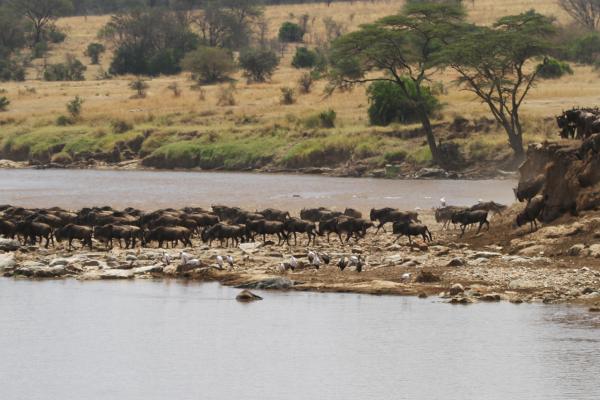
(284, 130)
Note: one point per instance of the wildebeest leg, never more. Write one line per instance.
(348, 237)
(487, 225)
(480, 225)
(264, 237)
(397, 238)
(409, 240)
(47, 240)
(340, 236)
(295, 239)
(462, 228)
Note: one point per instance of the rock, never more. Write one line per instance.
(422, 295)
(409, 263)
(91, 263)
(480, 261)
(131, 258)
(427, 277)
(278, 283)
(576, 250)
(587, 290)
(59, 261)
(394, 247)
(116, 274)
(522, 284)
(486, 254)
(456, 289)
(595, 309)
(431, 173)
(7, 262)
(9, 245)
(456, 262)
(489, 297)
(246, 296)
(158, 268)
(534, 250)
(392, 260)
(594, 250)
(250, 248)
(460, 300)
(50, 272)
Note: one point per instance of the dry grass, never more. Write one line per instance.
(36, 103)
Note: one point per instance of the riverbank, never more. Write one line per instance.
(559, 263)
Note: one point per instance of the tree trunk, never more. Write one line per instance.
(430, 138)
(516, 144)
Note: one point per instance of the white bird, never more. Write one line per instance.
(229, 260)
(342, 264)
(406, 276)
(443, 201)
(193, 262)
(184, 257)
(293, 262)
(281, 267)
(353, 261)
(311, 256)
(220, 261)
(316, 262)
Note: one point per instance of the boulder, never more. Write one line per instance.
(116, 274)
(59, 261)
(456, 289)
(7, 262)
(594, 250)
(427, 277)
(576, 250)
(158, 268)
(9, 244)
(247, 296)
(522, 284)
(534, 250)
(486, 254)
(456, 262)
(490, 297)
(50, 272)
(278, 283)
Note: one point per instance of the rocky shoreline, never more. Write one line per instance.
(557, 264)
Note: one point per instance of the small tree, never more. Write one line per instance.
(140, 86)
(226, 95)
(305, 82)
(93, 51)
(4, 103)
(552, 68)
(288, 96)
(74, 107)
(209, 64)
(304, 58)
(41, 13)
(71, 70)
(493, 63)
(258, 64)
(585, 12)
(290, 32)
(174, 87)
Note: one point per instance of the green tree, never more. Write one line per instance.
(41, 13)
(258, 64)
(403, 46)
(209, 64)
(494, 64)
(585, 12)
(93, 51)
(290, 32)
(304, 58)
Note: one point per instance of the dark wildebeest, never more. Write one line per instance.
(407, 228)
(226, 213)
(351, 212)
(71, 231)
(490, 206)
(532, 212)
(33, 230)
(169, 234)
(328, 227)
(443, 215)
(318, 214)
(466, 218)
(528, 189)
(387, 214)
(8, 228)
(222, 231)
(297, 225)
(352, 227)
(264, 228)
(272, 214)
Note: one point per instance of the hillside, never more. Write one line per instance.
(258, 132)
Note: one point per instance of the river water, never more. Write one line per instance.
(155, 189)
(171, 340)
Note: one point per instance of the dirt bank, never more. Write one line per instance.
(559, 263)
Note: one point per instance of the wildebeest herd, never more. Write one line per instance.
(579, 123)
(227, 225)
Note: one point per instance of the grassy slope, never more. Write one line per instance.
(258, 130)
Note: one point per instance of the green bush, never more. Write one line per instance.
(288, 96)
(10, 70)
(209, 64)
(55, 35)
(74, 107)
(396, 156)
(4, 103)
(140, 86)
(552, 68)
(62, 158)
(71, 70)
(304, 58)
(290, 32)
(63, 120)
(93, 51)
(586, 49)
(39, 49)
(120, 126)
(258, 64)
(327, 118)
(389, 103)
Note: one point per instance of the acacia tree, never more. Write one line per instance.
(494, 64)
(401, 46)
(585, 12)
(41, 13)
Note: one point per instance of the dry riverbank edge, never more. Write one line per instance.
(391, 172)
(560, 263)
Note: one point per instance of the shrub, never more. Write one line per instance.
(74, 107)
(10, 70)
(304, 58)
(305, 82)
(552, 68)
(174, 87)
(71, 70)
(120, 126)
(450, 155)
(226, 97)
(63, 120)
(586, 49)
(390, 104)
(290, 32)
(39, 49)
(140, 86)
(288, 96)
(93, 51)
(327, 118)
(396, 156)
(4, 103)
(62, 158)
(55, 35)
(258, 64)
(209, 64)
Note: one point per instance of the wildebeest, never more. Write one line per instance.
(387, 214)
(272, 214)
(169, 234)
(33, 230)
(352, 227)
(407, 228)
(443, 215)
(224, 232)
(351, 212)
(532, 212)
(526, 190)
(8, 228)
(71, 231)
(297, 225)
(466, 218)
(264, 228)
(318, 214)
(490, 206)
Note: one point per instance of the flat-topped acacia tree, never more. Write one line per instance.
(495, 64)
(397, 47)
